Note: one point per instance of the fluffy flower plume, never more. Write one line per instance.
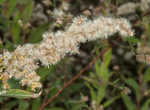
(22, 63)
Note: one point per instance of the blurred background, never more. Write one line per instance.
(118, 80)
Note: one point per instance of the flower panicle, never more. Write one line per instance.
(22, 62)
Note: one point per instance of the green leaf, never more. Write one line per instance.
(11, 6)
(43, 72)
(15, 29)
(36, 33)
(17, 93)
(131, 82)
(23, 105)
(13, 83)
(27, 11)
(10, 105)
(110, 101)
(102, 70)
(127, 101)
(132, 40)
(146, 77)
(78, 106)
(36, 104)
(107, 57)
(1, 1)
(91, 80)
(73, 88)
(9, 45)
(16, 33)
(100, 94)
(103, 73)
(3, 24)
(92, 92)
(145, 106)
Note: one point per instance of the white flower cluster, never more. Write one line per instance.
(21, 63)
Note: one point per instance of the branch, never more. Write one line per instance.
(45, 103)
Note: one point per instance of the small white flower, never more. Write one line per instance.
(21, 63)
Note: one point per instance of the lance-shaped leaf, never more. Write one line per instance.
(18, 93)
